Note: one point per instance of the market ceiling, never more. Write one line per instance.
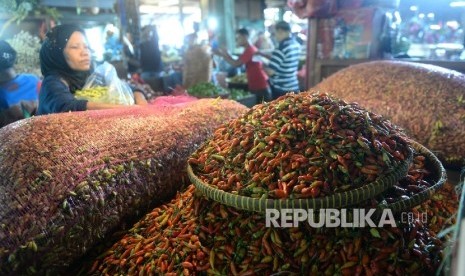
(196, 3)
(440, 8)
(108, 4)
(103, 4)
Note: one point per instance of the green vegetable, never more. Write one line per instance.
(237, 94)
(205, 90)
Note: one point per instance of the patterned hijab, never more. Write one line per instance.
(52, 58)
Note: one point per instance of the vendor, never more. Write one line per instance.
(284, 62)
(65, 62)
(150, 55)
(256, 77)
(18, 92)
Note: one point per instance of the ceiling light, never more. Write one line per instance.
(166, 3)
(457, 4)
(453, 24)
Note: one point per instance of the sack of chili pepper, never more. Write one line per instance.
(68, 180)
(426, 100)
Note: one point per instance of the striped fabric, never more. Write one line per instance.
(285, 61)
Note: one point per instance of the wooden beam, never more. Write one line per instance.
(311, 52)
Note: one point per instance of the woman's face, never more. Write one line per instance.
(77, 52)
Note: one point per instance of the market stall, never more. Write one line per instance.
(357, 31)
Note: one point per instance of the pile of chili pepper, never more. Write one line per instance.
(300, 146)
(195, 236)
(416, 181)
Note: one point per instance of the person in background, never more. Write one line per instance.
(150, 55)
(130, 54)
(113, 47)
(191, 38)
(284, 62)
(65, 62)
(263, 43)
(18, 92)
(256, 77)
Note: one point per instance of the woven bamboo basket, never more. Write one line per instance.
(336, 200)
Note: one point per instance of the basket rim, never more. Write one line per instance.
(420, 197)
(336, 200)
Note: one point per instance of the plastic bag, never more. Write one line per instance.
(104, 86)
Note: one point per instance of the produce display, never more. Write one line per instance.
(67, 180)
(96, 93)
(426, 100)
(27, 48)
(193, 235)
(300, 146)
(238, 82)
(238, 94)
(104, 94)
(239, 78)
(336, 147)
(206, 90)
(244, 97)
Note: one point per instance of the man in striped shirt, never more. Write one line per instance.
(284, 62)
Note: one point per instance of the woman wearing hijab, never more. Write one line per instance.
(65, 62)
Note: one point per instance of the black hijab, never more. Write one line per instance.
(52, 58)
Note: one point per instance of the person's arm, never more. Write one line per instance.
(10, 115)
(276, 61)
(270, 72)
(265, 55)
(96, 106)
(139, 98)
(227, 57)
(55, 97)
(138, 93)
